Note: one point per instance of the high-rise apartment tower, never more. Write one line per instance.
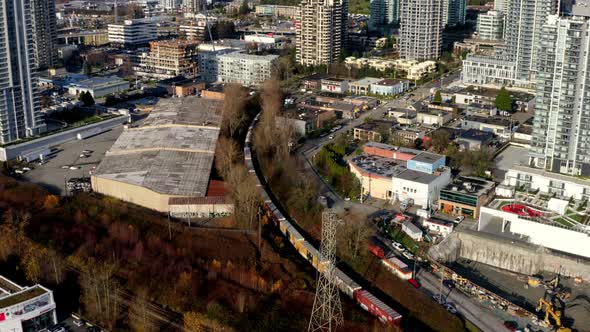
(561, 131)
(421, 29)
(321, 31)
(44, 24)
(20, 115)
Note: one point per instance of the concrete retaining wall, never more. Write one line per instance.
(13, 151)
(510, 255)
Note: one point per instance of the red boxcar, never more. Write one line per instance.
(377, 308)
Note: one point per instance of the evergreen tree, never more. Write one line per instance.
(503, 100)
(438, 97)
(86, 98)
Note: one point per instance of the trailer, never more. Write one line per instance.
(91, 132)
(398, 267)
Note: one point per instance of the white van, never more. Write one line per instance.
(423, 213)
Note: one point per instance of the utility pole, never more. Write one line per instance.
(326, 314)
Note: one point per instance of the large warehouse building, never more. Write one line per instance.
(165, 164)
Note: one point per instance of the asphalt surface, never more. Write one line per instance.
(53, 177)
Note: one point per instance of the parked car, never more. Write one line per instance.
(74, 167)
(439, 298)
(408, 255)
(323, 200)
(450, 308)
(65, 167)
(398, 246)
(459, 219)
(78, 322)
(26, 168)
(331, 137)
(414, 283)
(449, 284)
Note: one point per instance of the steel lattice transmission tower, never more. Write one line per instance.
(326, 314)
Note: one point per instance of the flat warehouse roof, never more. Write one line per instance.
(172, 152)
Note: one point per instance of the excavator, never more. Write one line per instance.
(555, 314)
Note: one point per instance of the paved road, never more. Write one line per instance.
(467, 307)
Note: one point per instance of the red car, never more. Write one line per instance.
(414, 283)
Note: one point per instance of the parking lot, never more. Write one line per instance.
(53, 175)
(513, 155)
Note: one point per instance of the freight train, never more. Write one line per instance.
(287, 227)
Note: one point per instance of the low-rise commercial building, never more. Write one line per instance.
(434, 118)
(473, 139)
(97, 86)
(437, 226)
(334, 85)
(165, 164)
(362, 86)
(409, 134)
(465, 196)
(25, 309)
(307, 120)
(372, 130)
(136, 32)
(502, 127)
(389, 87)
(475, 95)
(397, 174)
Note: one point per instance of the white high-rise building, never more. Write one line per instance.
(490, 25)
(522, 32)
(383, 13)
(524, 22)
(20, 115)
(421, 29)
(193, 6)
(454, 12)
(502, 5)
(151, 7)
(170, 4)
(322, 31)
(561, 131)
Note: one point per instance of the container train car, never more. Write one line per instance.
(287, 227)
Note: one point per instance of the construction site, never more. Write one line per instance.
(519, 279)
(559, 301)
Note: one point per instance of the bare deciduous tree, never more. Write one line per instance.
(234, 109)
(352, 237)
(226, 155)
(140, 319)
